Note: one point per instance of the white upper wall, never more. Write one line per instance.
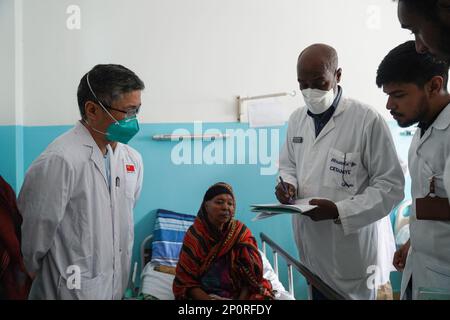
(196, 56)
(7, 92)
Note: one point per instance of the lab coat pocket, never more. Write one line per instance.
(341, 170)
(130, 184)
(438, 277)
(81, 289)
(349, 261)
(93, 289)
(130, 235)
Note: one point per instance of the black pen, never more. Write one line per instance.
(285, 189)
(283, 185)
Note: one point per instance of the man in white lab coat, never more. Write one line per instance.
(340, 153)
(78, 196)
(429, 21)
(417, 88)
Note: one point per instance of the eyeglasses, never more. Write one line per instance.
(129, 113)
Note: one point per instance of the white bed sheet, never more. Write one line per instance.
(156, 283)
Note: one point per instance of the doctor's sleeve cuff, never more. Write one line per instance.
(344, 217)
(289, 179)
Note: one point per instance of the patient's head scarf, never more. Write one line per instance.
(218, 189)
(204, 245)
(214, 191)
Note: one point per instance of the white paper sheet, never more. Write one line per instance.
(266, 114)
(264, 210)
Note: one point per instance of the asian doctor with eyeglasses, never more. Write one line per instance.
(78, 196)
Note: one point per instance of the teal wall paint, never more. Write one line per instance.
(36, 139)
(11, 153)
(19, 153)
(178, 187)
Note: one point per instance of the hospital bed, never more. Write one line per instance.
(294, 264)
(156, 282)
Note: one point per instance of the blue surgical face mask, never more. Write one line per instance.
(120, 130)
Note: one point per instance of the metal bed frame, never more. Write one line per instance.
(311, 278)
(145, 251)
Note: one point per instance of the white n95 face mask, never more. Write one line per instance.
(318, 101)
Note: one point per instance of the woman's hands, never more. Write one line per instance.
(401, 255)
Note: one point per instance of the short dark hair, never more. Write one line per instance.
(109, 82)
(404, 65)
(425, 8)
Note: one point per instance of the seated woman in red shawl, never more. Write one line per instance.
(219, 258)
(14, 281)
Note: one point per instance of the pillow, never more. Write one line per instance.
(168, 235)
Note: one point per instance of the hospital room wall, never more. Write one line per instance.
(181, 187)
(195, 58)
(11, 129)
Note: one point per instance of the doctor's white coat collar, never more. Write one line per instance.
(85, 136)
(442, 122)
(340, 108)
(96, 154)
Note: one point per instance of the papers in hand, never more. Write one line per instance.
(274, 209)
